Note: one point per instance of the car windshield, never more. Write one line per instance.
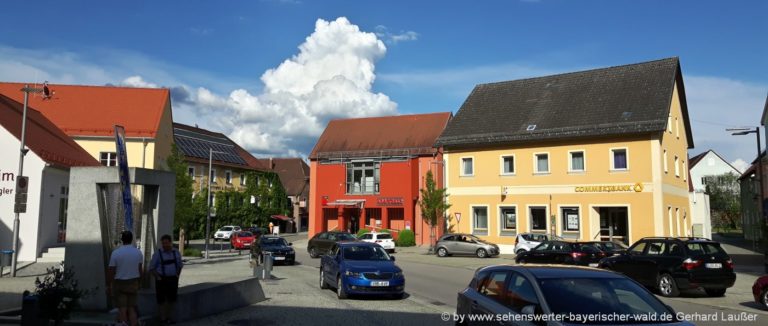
(245, 234)
(384, 236)
(273, 241)
(704, 248)
(574, 298)
(344, 237)
(226, 228)
(365, 253)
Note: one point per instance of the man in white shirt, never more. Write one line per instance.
(125, 271)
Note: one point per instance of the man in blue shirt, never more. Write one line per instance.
(166, 266)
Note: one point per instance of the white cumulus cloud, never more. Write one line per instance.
(740, 165)
(137, 81)
(393, 38)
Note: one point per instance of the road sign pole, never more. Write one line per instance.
(15, 256)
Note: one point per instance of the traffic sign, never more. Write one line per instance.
(20, 208)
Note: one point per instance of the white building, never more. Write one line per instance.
(51, 154)
(706, 164)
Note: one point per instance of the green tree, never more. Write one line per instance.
(433, 205)
(183, 214)
(724, 199)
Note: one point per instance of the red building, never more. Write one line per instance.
(366, 173)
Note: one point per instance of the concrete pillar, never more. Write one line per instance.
(342, 226)
(362, 218)
(384, 218)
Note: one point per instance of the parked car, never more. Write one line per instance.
(465, 244)
(257, 231)
(225, 232)
(562, 252)
(528, 241)
(281, 250)
(672, 264)
(322, 242)
(611, 248)
(760, 291)
(568, 292)
(383, 239)
(361, 268)
(242, 240)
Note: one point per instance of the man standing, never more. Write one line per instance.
(125, 271)
(166, 266)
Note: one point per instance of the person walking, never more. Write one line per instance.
(123, 275)
(166, 266)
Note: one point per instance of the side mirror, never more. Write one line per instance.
(290, 243)
(392, 258)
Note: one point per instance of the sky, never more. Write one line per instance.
(271, 74)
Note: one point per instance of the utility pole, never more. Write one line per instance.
(210, 197)
(22, 152)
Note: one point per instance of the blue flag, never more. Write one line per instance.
(125, 178)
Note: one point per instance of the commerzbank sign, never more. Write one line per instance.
(637, 187)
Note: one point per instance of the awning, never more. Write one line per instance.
(346, 202)
(283, 218)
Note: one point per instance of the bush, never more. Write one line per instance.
(58, 293)
(192, 252)
(364, 231)
(406, 238)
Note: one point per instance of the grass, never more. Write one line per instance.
(192, 252)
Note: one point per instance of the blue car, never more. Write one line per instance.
(361, 268)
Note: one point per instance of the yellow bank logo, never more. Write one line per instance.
(637, 187)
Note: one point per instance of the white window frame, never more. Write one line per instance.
(611, 157)
(242, 179)
(669, 124)
(110, 156)
(560, 208)
(570, 160)
(666, 162)
(529, 217)
(685, 172)
(502, 217)
(472, 218)
(228, 177)
(461, 166)
(677, 127)
(669, 218)
(677, 166)
(192, 168)
(501, 163)
(536, 163)
(213, 176)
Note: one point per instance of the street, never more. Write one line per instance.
(432, 284)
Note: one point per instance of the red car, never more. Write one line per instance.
(760, 291)
(242, 240)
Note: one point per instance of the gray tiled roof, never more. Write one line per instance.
(622, 100)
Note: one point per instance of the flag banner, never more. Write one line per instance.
(125, 178)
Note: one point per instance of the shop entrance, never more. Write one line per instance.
(354, 226)
(613, 224)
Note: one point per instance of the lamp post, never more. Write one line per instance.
(22, 152)
(208, 218)
(760, 209)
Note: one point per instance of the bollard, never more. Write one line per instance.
(267, 266)
(6, 256)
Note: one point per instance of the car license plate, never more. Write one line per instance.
(380, 283)
(714, 265)
(279, 258)
(593, 265)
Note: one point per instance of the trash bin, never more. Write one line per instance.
(30, 310)
(6, 258)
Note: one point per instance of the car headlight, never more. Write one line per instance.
(352, 274)
(398, 275)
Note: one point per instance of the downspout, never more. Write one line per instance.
(144, 152)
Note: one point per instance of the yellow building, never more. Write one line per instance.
(599, 154)
(88, 114)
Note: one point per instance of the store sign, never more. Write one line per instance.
(638, 187)
(390, 201)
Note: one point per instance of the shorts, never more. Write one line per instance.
(125, 292)
(167, 289)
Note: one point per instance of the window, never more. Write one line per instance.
(242, 179)
(685, 172)
(363, 177)
(669, 124)
(467, 166)
(480, 218)
(677, 128)
(677, 166)
(666, 168)
(520, 293)
(637, 249)
(228, 177)
(570, 217)
(619, 159)
(542, 162)
(657, 248)
(508, 164)
(538, 218)
(191, 172)
(508, 218)
(494, 286)
(213, 175)
(108, 158)
(576, 163)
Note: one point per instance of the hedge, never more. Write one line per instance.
(406, 238)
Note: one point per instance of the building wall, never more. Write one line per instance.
(141, 152)
(710, 165)
(201, 182)
(55, 187)
(676, 200)
(700, 213)
(164, 138)
(750, 216)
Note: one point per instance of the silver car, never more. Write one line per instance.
(527, 241)
(465, 244)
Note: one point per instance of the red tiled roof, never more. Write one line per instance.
(415, 134)
(94, 110)
(42, 136)
(294, 175)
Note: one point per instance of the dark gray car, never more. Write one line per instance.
(465, 244)
(567, 294)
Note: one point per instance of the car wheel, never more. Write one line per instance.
(520, 261)
(520, 251)
(313, 252)
(323, 285)
(340, 292)
(441, 252)
(715, 292)
(667, 286)
(764, 298)
(481, 253)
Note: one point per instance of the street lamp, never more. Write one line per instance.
(756, 131)
(208, 218)
(22, 151)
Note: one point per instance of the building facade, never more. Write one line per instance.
(751, 221)
(52, 153)
(703, 165)
(88, 115)
(366, 173)
(592, 155)
(294, 176)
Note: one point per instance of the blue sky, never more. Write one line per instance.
(436, 51)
